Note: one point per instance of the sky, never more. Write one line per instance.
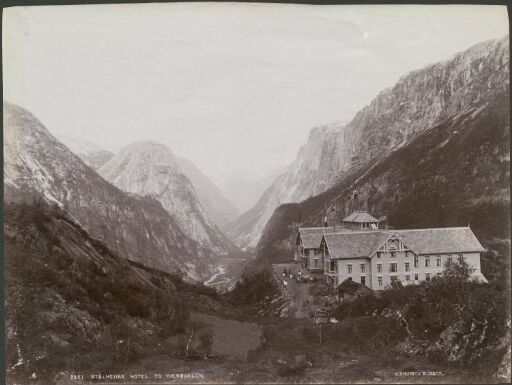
(231, 86)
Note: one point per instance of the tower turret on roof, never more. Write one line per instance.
(360, 219)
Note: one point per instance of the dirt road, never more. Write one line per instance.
(299, 291)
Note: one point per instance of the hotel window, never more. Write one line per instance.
(393, 254)
(379, 268)
(460, 257)
(407, 277)
(349, 269)
(415, 261)
(349, 278)
(316, 262)
(379, 280)
(415, 277)
(427, 261)
(407, 267)
(393, 278)
(438, 261)
(406, 254)
(363, 281)
(427, 277)
(393, 267)
(449, 258)
(378, 255)
(362, 267)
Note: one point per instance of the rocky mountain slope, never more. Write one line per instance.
(151, 169)
(219, 208)
(456, 172)
(417, 102)
(93, 155)
(138, 228)
(211, 198)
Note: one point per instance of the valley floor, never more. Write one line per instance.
(266, 351)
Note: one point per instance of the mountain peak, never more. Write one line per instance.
(150, 168)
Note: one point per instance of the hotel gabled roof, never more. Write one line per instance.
(362, 244)
(440, 240)
(312, 236)
(359, 244)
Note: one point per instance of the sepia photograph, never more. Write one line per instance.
(256, 193)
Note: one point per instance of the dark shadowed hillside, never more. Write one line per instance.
(72, 303)
(453, 174)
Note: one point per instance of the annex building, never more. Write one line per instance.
(361, 251)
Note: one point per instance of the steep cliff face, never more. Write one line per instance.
(151, 169)
(218, 207)
(417, 102)
(456, 172)
(137, 228)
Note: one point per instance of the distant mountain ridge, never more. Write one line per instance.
(417, 102)
(138, 228)
(93, 155)
(220, 209)
(244, 187)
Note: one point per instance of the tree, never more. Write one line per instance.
(458, 271)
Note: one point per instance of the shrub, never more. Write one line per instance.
(254, 288)
(206, 342)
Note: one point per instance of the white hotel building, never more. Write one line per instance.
(361, 252)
